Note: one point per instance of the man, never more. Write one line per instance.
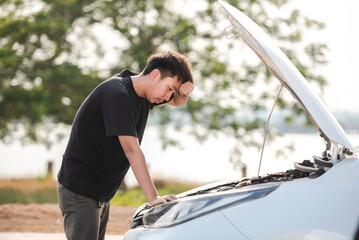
(105, 141)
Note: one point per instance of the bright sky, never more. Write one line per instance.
(342, 37)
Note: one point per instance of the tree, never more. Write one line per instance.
(39, 83)
(47, 69)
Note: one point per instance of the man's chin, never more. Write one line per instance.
(157, 101)
(150, 100)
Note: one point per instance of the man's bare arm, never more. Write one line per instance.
(137, 161)
(177, 100)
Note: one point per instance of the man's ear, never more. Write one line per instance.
(155, 75)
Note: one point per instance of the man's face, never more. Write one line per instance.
(161, 89)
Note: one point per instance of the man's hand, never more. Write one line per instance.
(160, 200)
(185, 89)
(181, 96)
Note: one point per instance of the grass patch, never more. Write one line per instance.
(29, 190)
(42, 196)
(136, 197)
(44, 190)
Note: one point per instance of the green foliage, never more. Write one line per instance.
(34, 83)
(51, 58)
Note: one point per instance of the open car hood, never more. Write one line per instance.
(289, 76)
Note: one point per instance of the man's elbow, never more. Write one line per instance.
(130, 152)
(129, 145)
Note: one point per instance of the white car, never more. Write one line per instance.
(318, 199)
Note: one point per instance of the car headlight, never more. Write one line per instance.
(176, 212)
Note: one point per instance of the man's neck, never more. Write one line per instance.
(139, 84)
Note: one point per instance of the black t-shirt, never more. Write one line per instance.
(94, 163)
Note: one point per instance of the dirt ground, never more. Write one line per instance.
(47, 218)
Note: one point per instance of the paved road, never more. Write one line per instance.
(45, 236)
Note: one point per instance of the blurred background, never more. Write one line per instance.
(53, 53)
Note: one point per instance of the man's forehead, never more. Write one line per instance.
(174, 82)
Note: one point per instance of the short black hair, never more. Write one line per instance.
(170, 64)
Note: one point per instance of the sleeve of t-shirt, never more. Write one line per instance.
(118, 116)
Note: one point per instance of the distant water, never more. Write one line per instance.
(195, 162)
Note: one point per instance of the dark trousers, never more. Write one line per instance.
(84, 218)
